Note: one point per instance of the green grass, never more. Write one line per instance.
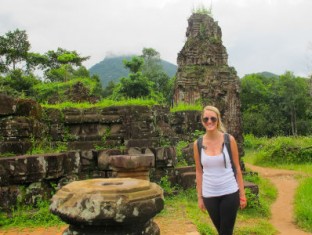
(303, 205)
(186, 107)
(103, 104)
(30, 217)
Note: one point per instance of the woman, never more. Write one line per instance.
(219, 190)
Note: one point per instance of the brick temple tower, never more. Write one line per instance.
(204, 75)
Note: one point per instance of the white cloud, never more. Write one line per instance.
(260, 35)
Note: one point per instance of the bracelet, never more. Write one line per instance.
(242, 199)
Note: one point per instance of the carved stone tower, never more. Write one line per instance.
(204, 75)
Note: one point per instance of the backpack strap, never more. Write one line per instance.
(199, 147)
(227, 143)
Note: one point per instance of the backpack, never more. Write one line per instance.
(227, 145)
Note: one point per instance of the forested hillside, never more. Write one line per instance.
(112, 69)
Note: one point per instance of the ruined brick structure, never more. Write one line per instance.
(204, 75)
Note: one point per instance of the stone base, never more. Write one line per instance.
(149, 228)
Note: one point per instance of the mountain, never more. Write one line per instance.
(112, 69)
(268, 74)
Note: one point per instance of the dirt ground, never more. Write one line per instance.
(282, 217)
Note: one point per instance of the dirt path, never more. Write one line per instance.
(282, 209)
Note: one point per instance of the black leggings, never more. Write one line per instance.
(222, 211)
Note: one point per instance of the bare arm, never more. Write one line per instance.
(199, 177)
(239, 175)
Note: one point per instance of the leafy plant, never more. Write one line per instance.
(198, 133)
(104, 140)
(181, 158)
(201, 9)
(46, 146)
(164, 142)
(215, 40)
(166, 185)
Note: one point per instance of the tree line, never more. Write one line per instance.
(271, 105)
(276, 105)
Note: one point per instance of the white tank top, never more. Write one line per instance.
(218, 180)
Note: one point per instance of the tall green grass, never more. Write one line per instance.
(303, 205)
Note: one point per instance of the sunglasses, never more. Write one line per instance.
(212, 119)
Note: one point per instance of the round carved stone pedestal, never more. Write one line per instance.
(109, 206)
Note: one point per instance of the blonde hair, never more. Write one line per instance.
(220, 125)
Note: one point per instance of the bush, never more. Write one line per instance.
(285, 150)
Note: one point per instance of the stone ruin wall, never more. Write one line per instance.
(204, 75)
(24, 123)
(92, 135)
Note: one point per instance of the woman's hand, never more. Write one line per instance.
(201, 204)
(242, 202)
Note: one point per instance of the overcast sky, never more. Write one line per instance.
(260, 35)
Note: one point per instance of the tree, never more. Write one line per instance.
(137, 85)
(14, 47)
(59, 65)
(256, 106)
(63, 56)
(294, 92)
(134, 65)
(34, 61)
(154, 71)
(261, 114)
(255, 91)
(109, 89)
(274, 106)
(63, 73)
